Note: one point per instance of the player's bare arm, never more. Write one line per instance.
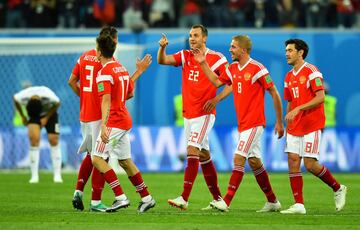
(279, 126)
(74, 85)
(51, 112)
(105, 112)
(199, 56)
(211, 104)
(19, 109)
(162, 58)
(141, 66)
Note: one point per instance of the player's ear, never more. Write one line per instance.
(301, 52)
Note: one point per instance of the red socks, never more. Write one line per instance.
(296, 183)
(84, 172)
(211, 179)
(234, 183)
(191, 172)
(140, 185)
(326, 176)
(263, 181)
(97, 184)
(111, 178)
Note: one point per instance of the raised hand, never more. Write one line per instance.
(199, 56)
(144, 63)
(163, 42)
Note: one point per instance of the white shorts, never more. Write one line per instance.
(197, 131)
(90, 131)
(249, 142)
(304, 146)
(118, 146)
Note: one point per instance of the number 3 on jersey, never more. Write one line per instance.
(89, 77)
(194, 75)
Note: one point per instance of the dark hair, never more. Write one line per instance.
(299, 45)
(204, 31)
(34, 108)
(108, 30)
(106, 45)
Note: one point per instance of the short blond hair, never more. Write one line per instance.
(244, 41)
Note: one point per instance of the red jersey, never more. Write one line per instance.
(249, 84)
(196, 88)
(86, 70)
(114, 79)
(299, 88)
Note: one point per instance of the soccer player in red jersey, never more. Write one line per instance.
(249, 80)
(83, 82)
(115, 87)
(199, 100)
(304, 91)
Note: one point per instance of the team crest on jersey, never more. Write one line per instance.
(302, 79)
(247, 76)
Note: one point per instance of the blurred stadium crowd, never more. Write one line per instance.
(140, 14)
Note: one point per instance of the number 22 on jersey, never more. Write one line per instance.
(193, 75)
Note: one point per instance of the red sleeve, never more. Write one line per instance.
(224, 77)
(104, 82)
(221, 69)
(104, 87)
(287, 93)
(317, 84)
(266, 81)
(178, 59)
(76, 68)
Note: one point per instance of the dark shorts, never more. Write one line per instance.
(51, 127)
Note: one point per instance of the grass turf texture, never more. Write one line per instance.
(48, 206)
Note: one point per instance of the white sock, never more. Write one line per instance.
(78, 191)
(95, 202)
(56, 160)
(34, 154)
(121, 197)
(146, 198)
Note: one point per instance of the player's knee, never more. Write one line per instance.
(310, 165)
(124, 164)
(254, 163)
(34, 140)
(193, 151)
(53, 140)
(204, 155)
(239, 160)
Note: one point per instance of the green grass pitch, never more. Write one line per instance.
(48, 206)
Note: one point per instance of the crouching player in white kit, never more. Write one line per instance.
(115, 86)
(41, 105)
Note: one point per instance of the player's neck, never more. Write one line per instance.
(298, 65)
(244, 60)
(105, 60)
